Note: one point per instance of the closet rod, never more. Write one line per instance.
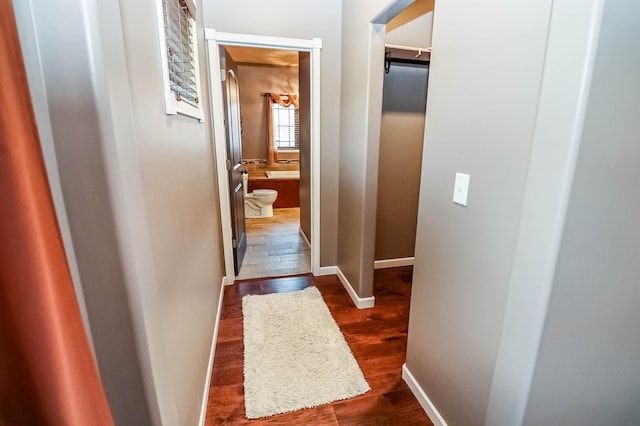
(408, 61)
(419, 59)
(415, 49)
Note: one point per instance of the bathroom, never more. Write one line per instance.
(274, 118)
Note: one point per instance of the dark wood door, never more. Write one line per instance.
(234, 154)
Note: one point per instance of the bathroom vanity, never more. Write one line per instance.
(288, 188)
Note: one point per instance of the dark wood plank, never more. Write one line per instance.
(387, 408)
(377, 338)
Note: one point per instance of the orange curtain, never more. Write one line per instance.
(271, 144)
(286, 101)
(47, 372)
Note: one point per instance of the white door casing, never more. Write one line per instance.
(216, 39)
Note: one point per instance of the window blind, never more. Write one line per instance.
(179, 33)
(286, 127)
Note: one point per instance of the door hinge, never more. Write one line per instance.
(223, 75)
(228, 164)
(234, 243)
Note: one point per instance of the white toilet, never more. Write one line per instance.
(258, 203)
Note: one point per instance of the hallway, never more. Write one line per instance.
(377, 338)
(275, 246)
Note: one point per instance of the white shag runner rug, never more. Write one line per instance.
(295, 355)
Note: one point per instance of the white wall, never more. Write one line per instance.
(301, 19)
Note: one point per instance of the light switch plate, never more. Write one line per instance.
(461, 189)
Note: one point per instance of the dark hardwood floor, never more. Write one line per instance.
(377, 337)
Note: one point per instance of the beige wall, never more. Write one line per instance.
(140, 201)
(481, 112)
(413, 26)
(356, 240)
(555, 146)
(587, 370)
(301, 19)
(255, 80)
(71, 131)
(177, 163)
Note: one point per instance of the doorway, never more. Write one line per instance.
(290, 254)
(407, 57)
(399, 166)
(266, 95)
(400, 26)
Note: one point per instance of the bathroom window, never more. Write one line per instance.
(286, 127)
(179, 50)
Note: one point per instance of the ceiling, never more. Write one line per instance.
(257, 55)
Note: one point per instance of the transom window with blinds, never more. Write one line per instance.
(286, 127)
(180, 55)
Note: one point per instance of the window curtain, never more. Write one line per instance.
(286, 101)
(48, 375)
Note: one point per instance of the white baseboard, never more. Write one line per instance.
(422, 397)
(227, 282)
(304, 237)
(327, 270)
(393, 263)
(207, 382)
(360, 302)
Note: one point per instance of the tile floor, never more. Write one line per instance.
(275, 246)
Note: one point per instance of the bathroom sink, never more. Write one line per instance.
(283, 174)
